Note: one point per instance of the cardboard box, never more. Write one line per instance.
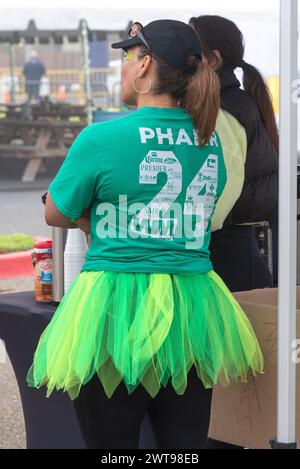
(245, 414)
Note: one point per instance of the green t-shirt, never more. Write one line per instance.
(151, 191)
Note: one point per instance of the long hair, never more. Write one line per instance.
(196, 88)
(218, 33)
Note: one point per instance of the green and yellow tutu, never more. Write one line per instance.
(145, 329)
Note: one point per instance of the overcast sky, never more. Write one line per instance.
(238, 5)
(257, 19)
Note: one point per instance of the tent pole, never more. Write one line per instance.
(286, 373)
(12, 71)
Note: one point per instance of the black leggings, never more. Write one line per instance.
(178, 421)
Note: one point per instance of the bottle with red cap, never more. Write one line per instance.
(43, 271)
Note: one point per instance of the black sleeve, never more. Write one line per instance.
(259, 202)
(259, 199)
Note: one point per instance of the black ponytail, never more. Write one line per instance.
(218, 33)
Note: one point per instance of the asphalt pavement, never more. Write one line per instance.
(21, 211)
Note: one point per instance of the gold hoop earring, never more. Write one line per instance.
(138, 91)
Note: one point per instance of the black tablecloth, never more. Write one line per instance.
(50, 422)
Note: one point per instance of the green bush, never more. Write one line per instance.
(15, 242)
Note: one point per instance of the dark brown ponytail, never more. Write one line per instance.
(218, 33)
(202, 101)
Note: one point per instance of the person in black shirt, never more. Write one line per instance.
(33, 71)
(234, 249)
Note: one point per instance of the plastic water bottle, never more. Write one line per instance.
(74, 255)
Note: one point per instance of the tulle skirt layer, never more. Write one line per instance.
(145, 329)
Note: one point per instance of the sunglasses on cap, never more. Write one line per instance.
(135, 31)
(171, 41)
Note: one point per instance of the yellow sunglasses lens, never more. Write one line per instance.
(129, 55)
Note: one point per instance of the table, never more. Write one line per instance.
(36, 140)
(50, 423)
(58, 111)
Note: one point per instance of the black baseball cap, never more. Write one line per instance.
(171, 41)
